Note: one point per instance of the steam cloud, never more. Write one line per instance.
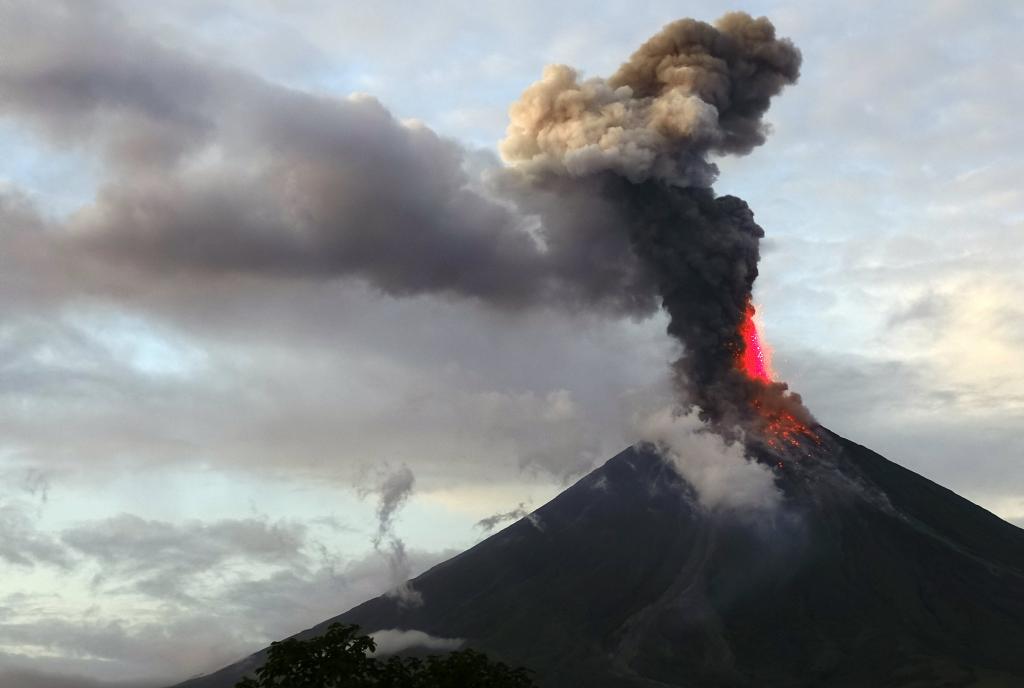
(394, 640)
(392, 492)
(604, 203)
(718, 470)
(491, 522)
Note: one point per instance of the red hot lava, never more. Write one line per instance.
(755, 359)
(780, 427)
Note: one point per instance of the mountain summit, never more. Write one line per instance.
(868, 575)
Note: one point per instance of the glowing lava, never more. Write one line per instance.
(780, 427)
(755, 360)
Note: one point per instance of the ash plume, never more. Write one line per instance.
(691, 89)
(640, 142)
(213, 177)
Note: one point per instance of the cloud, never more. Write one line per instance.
(312, 382)
(303, 377)
(392, 641)
(922, 310)
(491, 522)
(718, 470)
(916, 414)
(167, 598)
(228, 201)
(23, 543)
(163, 620)
(393, 490)
(294, 598)
(28, 678)
(164, 558)
(161, 650)
(212, 173)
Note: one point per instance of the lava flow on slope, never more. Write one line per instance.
(778, 426)
(755, 359)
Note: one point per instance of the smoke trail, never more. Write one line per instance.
(604, 204)
(392, 492)
(491, 522)
(640, 142)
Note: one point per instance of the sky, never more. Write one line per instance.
(210, 444)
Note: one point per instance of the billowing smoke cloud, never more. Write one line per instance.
(718, 470)
(690, 89)
(392, 492)
(212, 174)
(640, 142)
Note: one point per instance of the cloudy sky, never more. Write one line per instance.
(218, 429)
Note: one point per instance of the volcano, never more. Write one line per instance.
(868, 575)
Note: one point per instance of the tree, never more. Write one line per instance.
(340, 658)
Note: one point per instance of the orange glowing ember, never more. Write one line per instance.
(780, 427)
(755, 360)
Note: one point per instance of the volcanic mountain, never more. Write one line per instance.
(868, 575)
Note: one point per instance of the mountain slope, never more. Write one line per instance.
(870, 575)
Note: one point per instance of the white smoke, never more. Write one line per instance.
(393, 640)
(722, 476)
(392, 492)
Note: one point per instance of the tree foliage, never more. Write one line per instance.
(342, 658)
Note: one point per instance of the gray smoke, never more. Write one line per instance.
(639, 144)
(210, 173)
(393, 490)
(213, 175)
(691, 89)
(491, 522)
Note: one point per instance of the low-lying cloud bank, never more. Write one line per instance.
(28, 678)
(392, 641)
(131, 597)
